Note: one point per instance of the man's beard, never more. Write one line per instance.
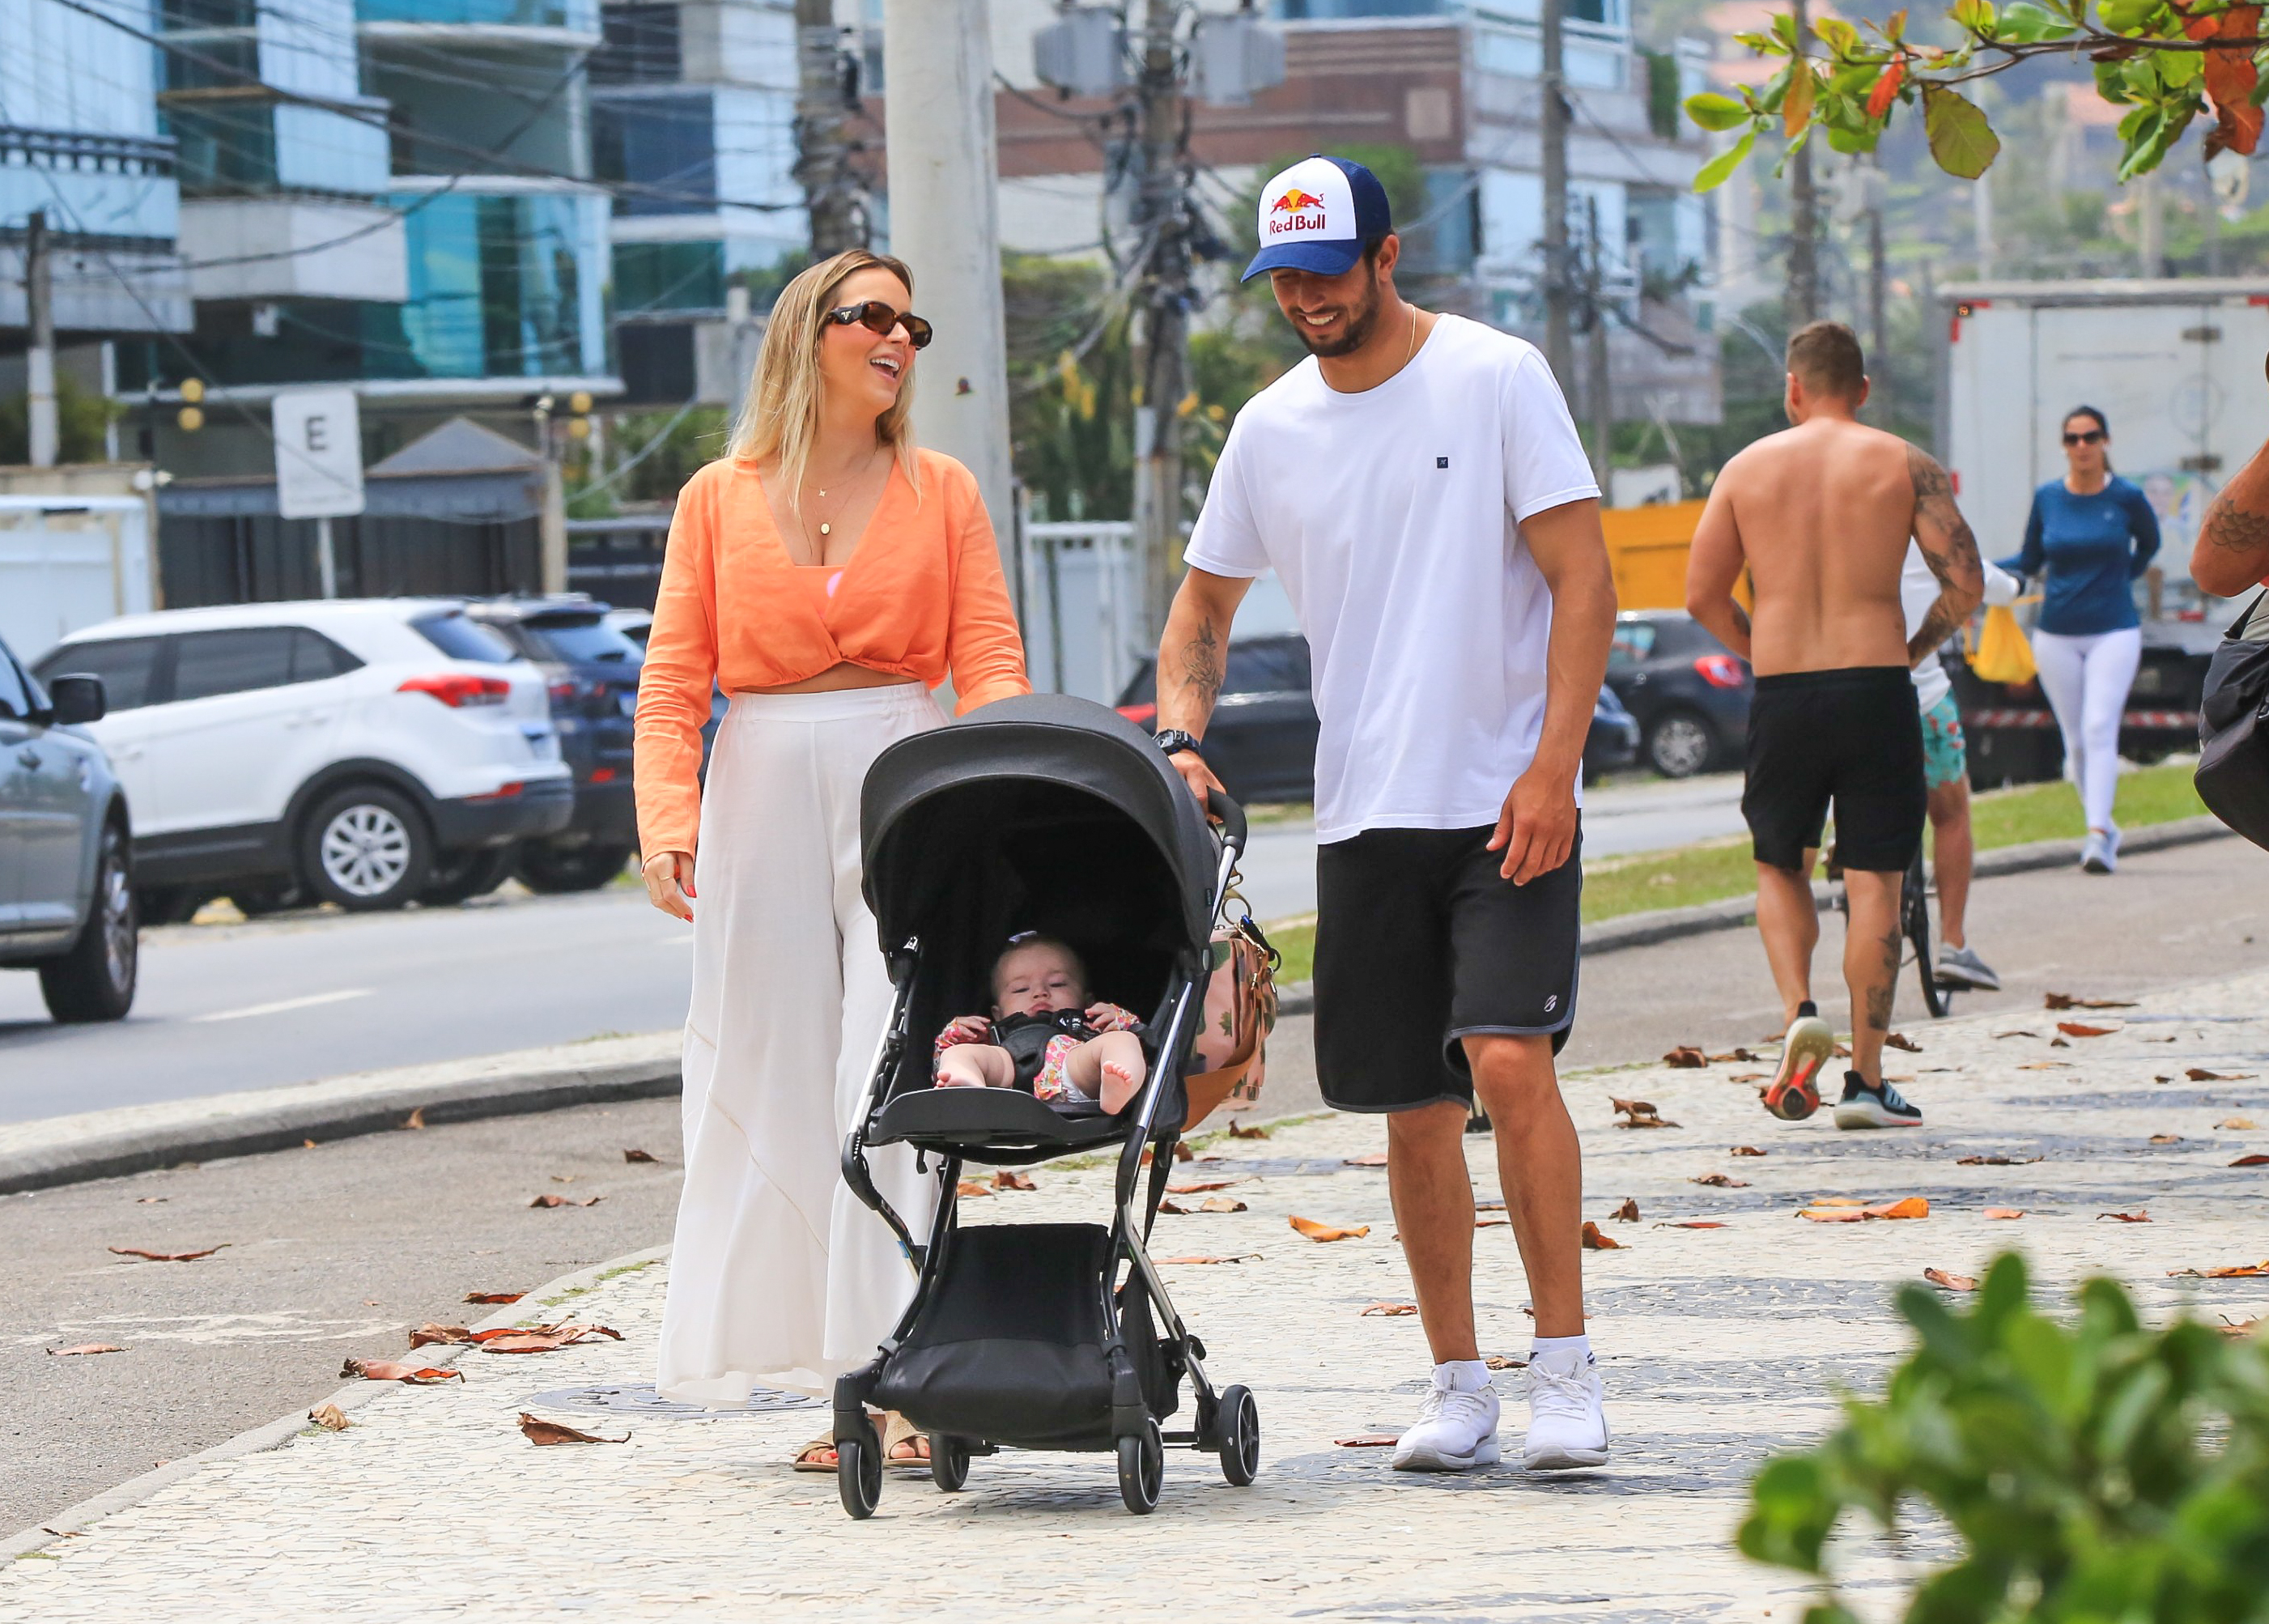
(1356, 332)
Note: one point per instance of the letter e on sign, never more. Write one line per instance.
(318, 453)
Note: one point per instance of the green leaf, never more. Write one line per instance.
(1784, 28)
(2177, 69)
(1764, 44)
(1840, 37)
(2125, 16)
(1714, 173)
(1714, 111)
(1962, 140)
(2027, 24)
(1977, 16)
(1843, 138)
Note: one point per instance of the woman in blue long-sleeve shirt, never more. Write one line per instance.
(2090, 535)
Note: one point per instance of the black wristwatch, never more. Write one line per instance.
(1173, 741)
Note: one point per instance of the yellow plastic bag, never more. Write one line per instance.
(2001, 654)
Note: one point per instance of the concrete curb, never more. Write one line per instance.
(134, 1139)
(1645, 930)
(282, 1430)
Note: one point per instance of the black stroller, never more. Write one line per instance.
(1056, 815)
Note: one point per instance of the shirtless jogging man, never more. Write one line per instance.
(1821, 514)
(1418, 487)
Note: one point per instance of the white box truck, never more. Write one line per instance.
(2176, 369)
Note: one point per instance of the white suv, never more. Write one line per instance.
(367, 751)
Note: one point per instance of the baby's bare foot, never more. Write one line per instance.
(1119, 1085)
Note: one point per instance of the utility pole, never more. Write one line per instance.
(1559, 344)
(1162, 313)
(1873, 180)
(39, 361)
(937, 69)
(823, 154)
(2151, 224)
(1597, 387)
(1804, 211)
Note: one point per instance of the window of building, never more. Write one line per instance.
(656, 359)
(668, 275)
(667, 145)
(1441, 241)
(642, 47)
(1321, 11)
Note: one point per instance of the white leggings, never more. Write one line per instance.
(2087, 679)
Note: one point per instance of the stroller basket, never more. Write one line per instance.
(1052, 814)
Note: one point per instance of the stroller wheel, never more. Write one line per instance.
(1142, 1468)
(1241, 1435)
(858, 1472)
(949, 1461)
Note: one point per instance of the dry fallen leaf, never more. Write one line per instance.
(540, 1338)
(1238, 1130)
(1316, 1231)
(1995, 1161)
(539, 1431)
(2019, 1033)
(1748, 1077)
(561, 1201)
(1747, 1150)
(2237, 1123)
(1491, 1223)
(494, 1296)
(2138, 1216)
(1843, 1051)
(2065, 1000)
(430, 1333)
(640, 1155)
(1182, 1153)
(1839, 1212)
(2004, 1212)
(1638, 1114)
(1200, 1186)
(1008, 1179)
(307, 1144)
(1951, 1283)
(1221, 1204)
(2242, 1271)
(330, 1417)
(2199, 1073)
(1742, 1055)
(1595, 1241)
(2252, 1161)
(1389, 1311)
(2059, 1041)
(1171, 1209)
(417, 1119)
(168, 1257)
(1835, 1200)
(150, 1201)
(1900, 1040)
(2166, 1138)
(1369, 1441)
(1690, 1223)
(2077, 1029)
(1718, 1181)
(1686, 1057)
(1628, 1213)
(86, 1347)
(2046, 1065)
(1377, 1158)
(2240, 1327)
(394, 1371)
(1501, 1361)
(1237, 1257)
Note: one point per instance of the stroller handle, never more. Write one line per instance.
(1220, 805)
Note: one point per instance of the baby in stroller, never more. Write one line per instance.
(1044, 1036)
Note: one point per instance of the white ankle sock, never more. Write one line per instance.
(1463, 1375)
(1580, 1346)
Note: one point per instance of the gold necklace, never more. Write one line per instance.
(827, 527)
(1407, 354)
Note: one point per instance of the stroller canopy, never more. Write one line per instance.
(1019, 792)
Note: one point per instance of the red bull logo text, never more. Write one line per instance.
(1299, 210)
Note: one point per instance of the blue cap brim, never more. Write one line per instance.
(1324, 259)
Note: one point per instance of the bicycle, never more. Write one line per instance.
(1914, 924)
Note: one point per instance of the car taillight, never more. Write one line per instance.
(1139, 712)
(603, 775)
(1718, 670)
(459, 689)
(562, 691)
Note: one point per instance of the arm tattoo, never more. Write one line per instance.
(2233, 529)
(1936, 517)
(1201, 668)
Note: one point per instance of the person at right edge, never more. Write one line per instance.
(1820, 515)
(1419, 489)
(2090, 536)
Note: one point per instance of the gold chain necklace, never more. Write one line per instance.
(827, 526)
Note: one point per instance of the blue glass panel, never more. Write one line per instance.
(665, 144)
(577, 14)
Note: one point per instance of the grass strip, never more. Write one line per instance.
(1711, 870)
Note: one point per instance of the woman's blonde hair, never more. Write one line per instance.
(780, 420)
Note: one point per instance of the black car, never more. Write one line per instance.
(1689, 693)
(2011, 736)
(593, 670)
(1261, 741)
(66, 852)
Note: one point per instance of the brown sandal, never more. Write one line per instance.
(805, 1457)
(902, 1431)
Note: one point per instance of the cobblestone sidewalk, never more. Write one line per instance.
(1720, 1345)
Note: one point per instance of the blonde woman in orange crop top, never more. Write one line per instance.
(827, 574)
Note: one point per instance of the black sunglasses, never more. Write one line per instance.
(2087, 437)
(878, 317)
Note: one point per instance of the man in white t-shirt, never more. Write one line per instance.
(1418, 487)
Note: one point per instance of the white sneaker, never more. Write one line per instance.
(2099, 853)
(1455, 1431)
(1567, 1423)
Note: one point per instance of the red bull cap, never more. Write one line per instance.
(1317, 215)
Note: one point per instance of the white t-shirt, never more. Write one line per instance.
(1918, 591)
(1390, 517)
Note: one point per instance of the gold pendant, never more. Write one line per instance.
(824, 530)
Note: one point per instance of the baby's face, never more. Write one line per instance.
(1034, 980)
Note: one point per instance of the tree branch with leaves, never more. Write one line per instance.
(2165, 62)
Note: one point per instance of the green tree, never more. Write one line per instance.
(82, 417)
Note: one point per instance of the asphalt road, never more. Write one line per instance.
(301, 997)
(339, 1250)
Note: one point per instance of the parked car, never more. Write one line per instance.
(634, 623)
(66, 852)
(364, 752)
(591, 669)
(1261, 741)
(1689, 694)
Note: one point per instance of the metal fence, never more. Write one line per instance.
(1081, 607)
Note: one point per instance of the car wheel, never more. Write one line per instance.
(555, 869)
(465, 876)
(1680, 744)
(366, 848)
(94, 981)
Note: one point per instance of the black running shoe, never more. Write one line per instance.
(1866, 1105)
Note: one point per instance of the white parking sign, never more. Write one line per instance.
(318, 453)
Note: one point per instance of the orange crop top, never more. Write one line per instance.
(922, 595)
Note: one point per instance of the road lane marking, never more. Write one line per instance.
(283, 1005)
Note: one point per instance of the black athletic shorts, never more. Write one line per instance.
(1420, 943)
(1853, 736)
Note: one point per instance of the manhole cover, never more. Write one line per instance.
(644, 1401)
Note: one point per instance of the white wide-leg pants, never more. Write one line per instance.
(2087, 680)
(780, 1277)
